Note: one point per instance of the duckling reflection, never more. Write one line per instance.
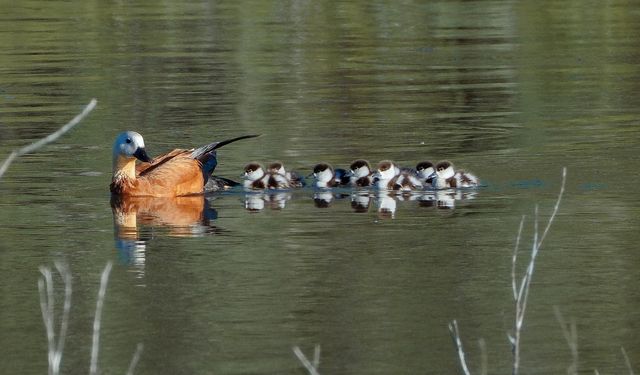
(444, 199)
(257, 201)
(322, 199)
(360, 202)
(387, 205)
(188, 216)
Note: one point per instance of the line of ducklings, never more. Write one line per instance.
(386, 176)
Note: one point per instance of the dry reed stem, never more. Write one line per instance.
(626, 360)
(97, 320)
(48, 139)
(522, 295)
(47, 305)
(455, 335)
(484, 360)
(312, 368)
(570, 333)
(135, 359)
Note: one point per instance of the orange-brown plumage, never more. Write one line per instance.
(177, 173)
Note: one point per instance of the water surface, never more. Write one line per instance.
(510, 91)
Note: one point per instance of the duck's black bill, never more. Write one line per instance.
(141, 154)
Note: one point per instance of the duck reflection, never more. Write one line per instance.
(189, 216)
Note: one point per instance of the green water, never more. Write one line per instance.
(510, 91)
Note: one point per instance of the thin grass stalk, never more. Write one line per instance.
(305, 362)
(95, 346)
(64, 323)
(48, 139)
(523, 293)
(570, 333)
(514, 258)
(484, 360)
(135, 359)
(316, 356)
(47, 319)
(626, 360)
(455, 335)
(555, 208)
(47, 308)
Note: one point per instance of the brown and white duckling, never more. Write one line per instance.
(408, 180)
(425, 171)
(326, 177)
(447, 177)
(256, 178)
(390, 177)
(295, 180)
(360, 174)
(385, 175)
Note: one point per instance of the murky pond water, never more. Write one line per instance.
(231, 282)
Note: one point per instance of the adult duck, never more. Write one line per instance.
(177, 173)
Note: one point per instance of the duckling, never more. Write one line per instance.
(295, 180)
(360, 174)
(447, 177)
(391, 177)
(326, 177)
(426, 172)
(408, 180)
(385, 175)
(256, 178)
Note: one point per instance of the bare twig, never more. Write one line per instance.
(455, 335)
(48, 139)
(523, 290)
(47, 305)
(514, 258)
(135, 359)
(570, 333)
(316, 356)
(626, 360)
(311, 369)
(483, 355)
(95, 347)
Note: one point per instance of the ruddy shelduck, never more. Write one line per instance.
(177, 173)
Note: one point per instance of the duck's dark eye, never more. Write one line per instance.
(128, 140)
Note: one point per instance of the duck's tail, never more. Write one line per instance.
(207, 154)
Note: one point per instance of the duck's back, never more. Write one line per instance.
(170, 175)
(177, 176)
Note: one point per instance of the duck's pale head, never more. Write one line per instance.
(130, 145)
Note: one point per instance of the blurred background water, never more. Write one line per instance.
(510, 90)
